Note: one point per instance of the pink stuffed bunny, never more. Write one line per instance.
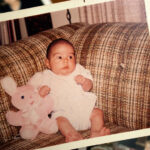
(33, 110)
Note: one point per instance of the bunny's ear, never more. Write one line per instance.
(9, 85)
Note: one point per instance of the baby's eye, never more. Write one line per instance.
(59, 57)
(22, 97)
(70, 57)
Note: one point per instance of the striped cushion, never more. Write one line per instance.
(21, 60)
(118, 55)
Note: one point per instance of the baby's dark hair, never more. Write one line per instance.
(55, 42)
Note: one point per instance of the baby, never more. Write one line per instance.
(69, 85)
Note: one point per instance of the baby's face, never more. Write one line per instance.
(62, 59)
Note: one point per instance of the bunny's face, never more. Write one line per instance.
(23, 97)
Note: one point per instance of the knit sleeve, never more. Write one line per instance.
(39, 79)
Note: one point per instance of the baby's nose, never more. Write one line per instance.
(65, 60)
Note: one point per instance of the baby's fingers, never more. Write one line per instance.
(79, 79)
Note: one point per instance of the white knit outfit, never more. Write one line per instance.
(70, 100)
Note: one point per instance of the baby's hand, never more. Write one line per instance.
(44, 90)
(84, 82)
(80, 79)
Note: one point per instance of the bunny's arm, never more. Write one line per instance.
(14, 118)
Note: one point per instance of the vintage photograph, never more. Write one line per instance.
(74, 74)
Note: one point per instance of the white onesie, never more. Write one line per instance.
(70, 100)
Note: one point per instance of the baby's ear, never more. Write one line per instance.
(47, 63)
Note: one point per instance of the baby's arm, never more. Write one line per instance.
(86, 83)
(39, 80)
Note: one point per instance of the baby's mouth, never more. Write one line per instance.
(66, 67)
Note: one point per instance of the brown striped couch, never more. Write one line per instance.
(118, 55)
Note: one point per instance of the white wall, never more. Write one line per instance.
(59, 17)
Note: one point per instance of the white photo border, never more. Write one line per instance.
(62, 6)
(47, 9)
